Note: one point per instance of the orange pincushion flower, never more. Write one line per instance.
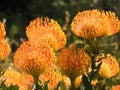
(73, 61)
(78, 81)
(34, 59)
(109, 67)
(117, 87)
(66, 81)
(24, 81)
(88, 24)
(53, 77)
(2, 31)
(112, 21)
(11, 76)
(46, 30)
(94, 24)
(4, 49)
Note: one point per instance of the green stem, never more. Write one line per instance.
(36, 79)
(94, 44)
(73, 85)
(86, 82)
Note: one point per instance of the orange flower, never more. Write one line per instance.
(117, 87)
(53, 77)
(73, 61)
(46, 30)
(109, 67)
(11, 76)
(24, 81)
(92, 24)
(2, 31)
(67, 83)
(78, 81)
(34, 59)
(113, 23)
(4, 49)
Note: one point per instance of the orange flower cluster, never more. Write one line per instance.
(73, 61)
(36, 55)
(4, 46)
(92, 24)
(109, 66)
(34, 59)
(24, 81)
(46, 31)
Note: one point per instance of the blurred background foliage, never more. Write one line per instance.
(18, 13)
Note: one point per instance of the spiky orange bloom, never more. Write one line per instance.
(24, 81)
(73, 61)
(33, 59)
(117, 87)
(91, 24)
(78, 81)
(4, 49)
(109, 67)
(53, 77)
(112, 22)
(2, 31)
(67, 82)
(11, 76)
(47, 31)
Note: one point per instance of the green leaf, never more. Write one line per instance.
(39, 86)
(98, 66)
(96, 76)
(46, 85)
(86, 83)
(11, 87)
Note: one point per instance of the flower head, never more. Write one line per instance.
(112, 22)
(53, 77)
(4, 49)
(13, 77)
(92, 24)
(2, 31)
(34, 59)
(47, 31)
(73, 61)
(67, 82)
(109, 67)
(78, 81)
(26, 82)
